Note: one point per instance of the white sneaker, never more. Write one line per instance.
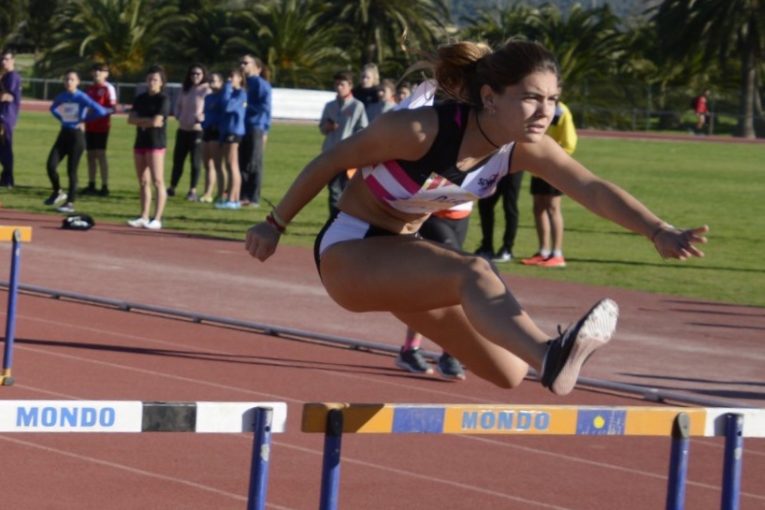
(153, 225)
(66, 208)
(567, 353)
(138, 222)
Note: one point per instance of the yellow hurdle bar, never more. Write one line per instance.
(6, 233)
(526, 420)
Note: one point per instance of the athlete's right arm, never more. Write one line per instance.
(405, 134)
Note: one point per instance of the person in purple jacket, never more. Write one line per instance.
(10, 100)
(72, 108)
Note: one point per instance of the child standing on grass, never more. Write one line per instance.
(233, 109)
(71, 108)
(97, 131)
(149, 116)
(211, 150)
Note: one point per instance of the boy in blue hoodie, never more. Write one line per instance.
(72, 108)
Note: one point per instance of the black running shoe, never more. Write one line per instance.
(55, 198)
(449, 367)
(567, 353)
(413, 361)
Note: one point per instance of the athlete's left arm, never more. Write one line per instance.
(547, 160)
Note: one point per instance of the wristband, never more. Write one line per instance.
(272, 221)
(278, 219)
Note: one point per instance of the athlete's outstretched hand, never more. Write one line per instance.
(673, 243)
(262, 240)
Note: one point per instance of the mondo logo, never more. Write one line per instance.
(70, 417)
(506, 420)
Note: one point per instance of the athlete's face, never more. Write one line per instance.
(524, 110)
(99, 75)
(154, 83)
(343, 88)
(216, 82)
(8, 62)
(71, 80)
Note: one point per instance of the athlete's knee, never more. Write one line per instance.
(509, 378)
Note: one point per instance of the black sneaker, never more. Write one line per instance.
(55, 198)
(567, 353)
(486, 253)
(449, 367)
(170, 192)
(413, 361)
(89, 190)
(503, 255)
(104, 191)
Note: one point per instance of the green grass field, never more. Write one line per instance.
(686, 183)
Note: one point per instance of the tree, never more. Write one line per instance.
(10, 20)
(379, 29)
(723, 29)
(289, 35)
(127, 34)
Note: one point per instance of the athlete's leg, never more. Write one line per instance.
(555, 214)
(404, 275)
(542, 224)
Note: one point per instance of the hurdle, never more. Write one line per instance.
(17, 235)
(678, 423)
(103, 416)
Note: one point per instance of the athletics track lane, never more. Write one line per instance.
(69, 350)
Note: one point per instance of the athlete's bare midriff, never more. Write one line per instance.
(358, 201)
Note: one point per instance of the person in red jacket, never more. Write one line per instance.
(97, 131)
(701, 109)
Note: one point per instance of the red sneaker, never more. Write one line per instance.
(553, 262)
(534, 260)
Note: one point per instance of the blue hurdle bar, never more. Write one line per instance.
(734, 453)
(261, 455)
(330, 473)
(10, 321)
(678, 463)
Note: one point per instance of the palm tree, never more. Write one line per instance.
(10, 20)
(725, 29)
(381, 29)
(289, 35)
(126, 33)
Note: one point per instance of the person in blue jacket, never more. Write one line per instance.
(257, 124)
(72, 108)
(232, 129)
(211, 153)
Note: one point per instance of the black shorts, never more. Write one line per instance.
(96, 141)
(542, 187)
(211, 135)
(231, 139)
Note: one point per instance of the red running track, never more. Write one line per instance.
(72, 350)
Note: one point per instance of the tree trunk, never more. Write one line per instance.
(748, 83)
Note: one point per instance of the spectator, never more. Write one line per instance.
(701, 108)
(149, 116)
(211, 149)
(97, 131)
(368, 89)
(507, 189)
(189, 110)
(72, 108)
(403, 90)
(10, 101)
(232, 129)
(548, 213)
(387, 100)
(257, 125)
(342, 117)
(416, 161)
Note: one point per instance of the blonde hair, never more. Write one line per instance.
(374, 71)
(462, 68)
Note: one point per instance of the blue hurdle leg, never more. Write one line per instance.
(678, 463)
(261, 453)
(330, 474)
(10, 321)
(734, 453)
